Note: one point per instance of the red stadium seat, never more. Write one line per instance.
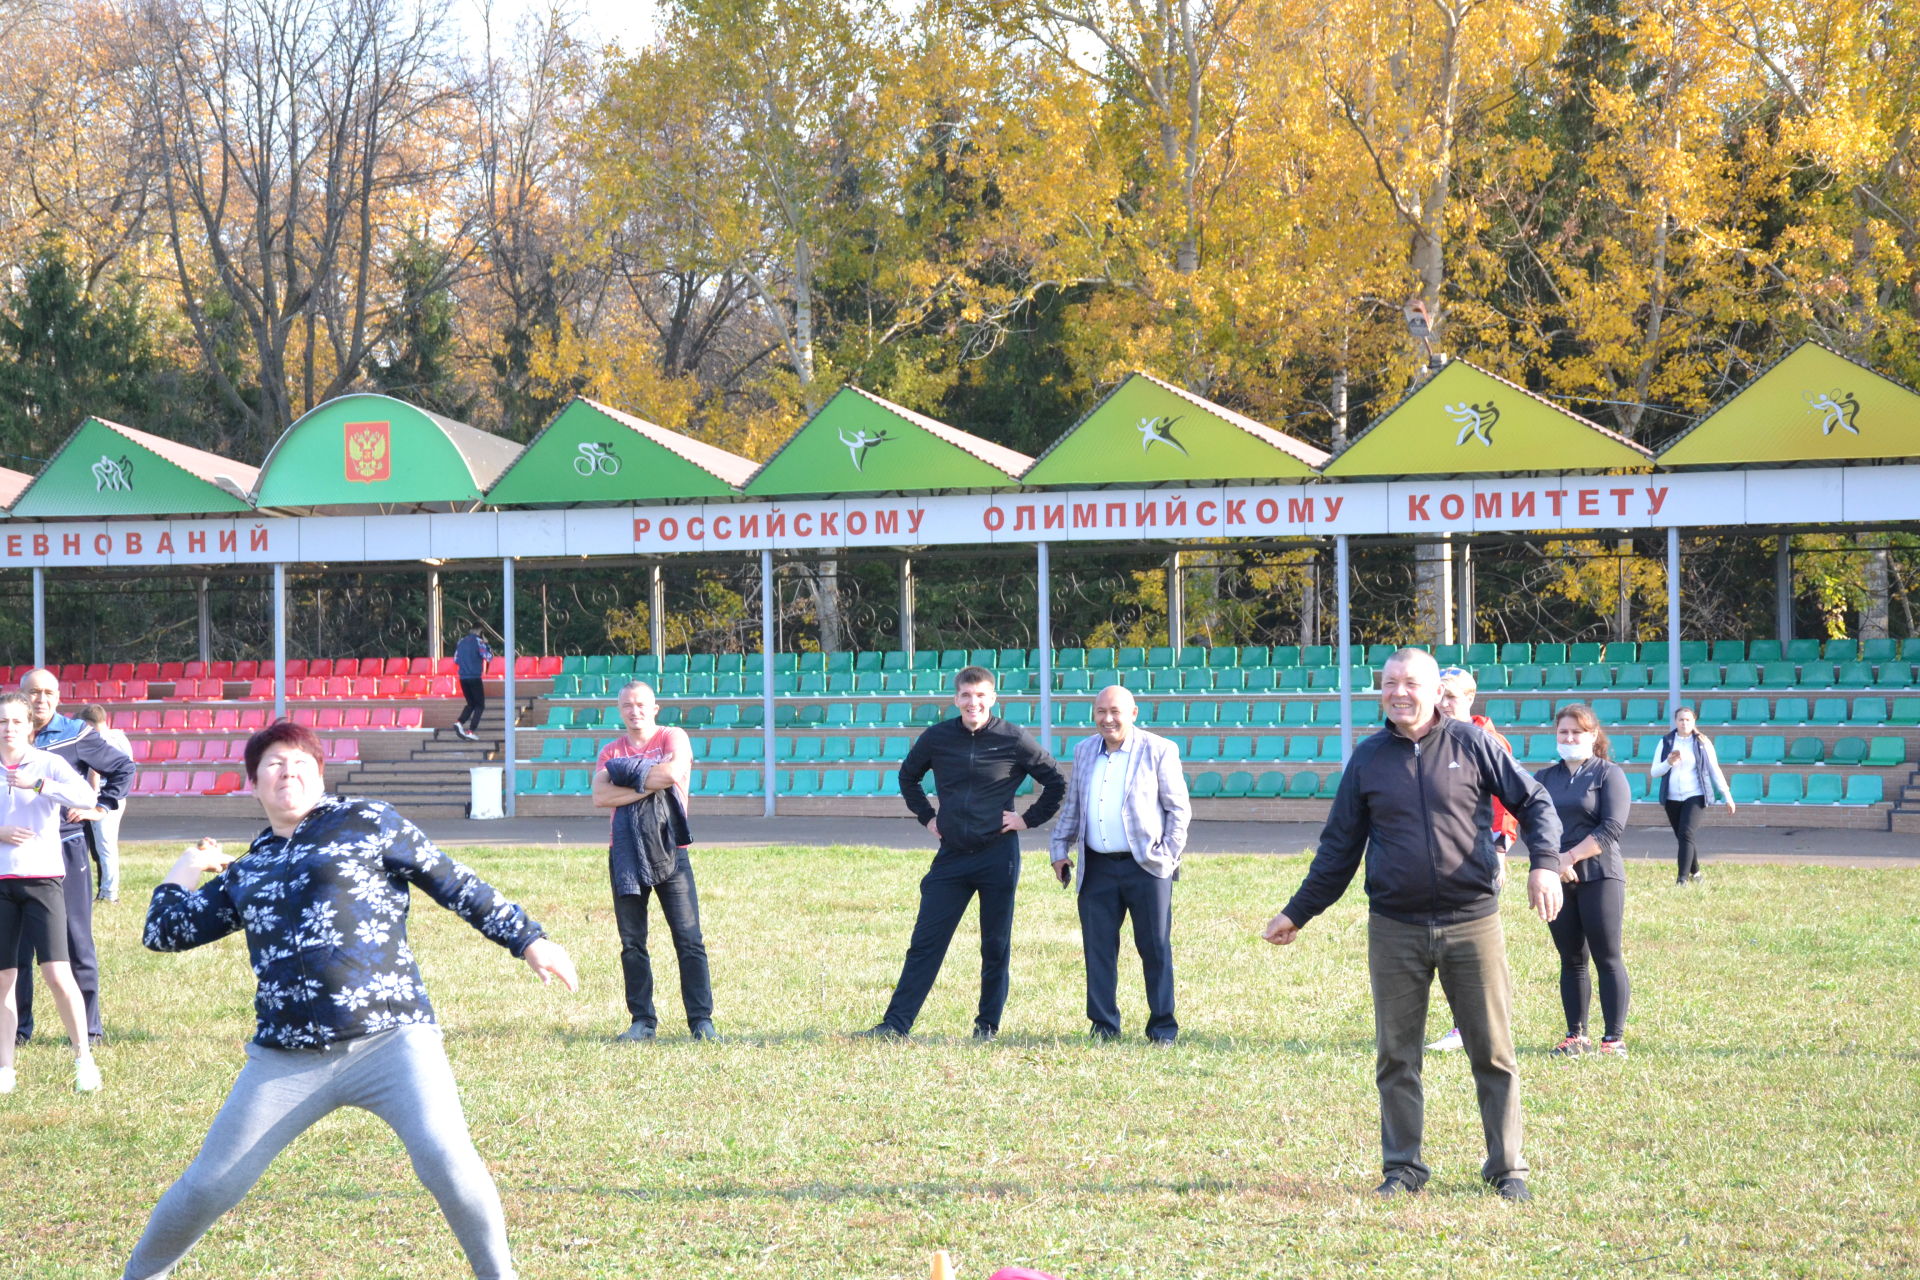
(194, 670)
(120, 671)
(147, 719)
(262, 689)
(222, 670)
(145, 783)
(328, 717)
(338, 687)
(407, 718)
(226, 784)
(252, 718)
(321, 667)
(496, 668)
(175, 782)
(146, 671)
(309, 716)
(202, 784)
(246, 669)
(99, 671)
(393, 686)
(343, 749)
(134, 690)
(142, 749)
(296, 668)
(227, 719)
(199, 719)
(174, 719)
(444, 687)
(171, 670)
(354, 717)
(447, 667)
(80, 690)
(189, 750)
(418, 687)
(162, 749)
(381, 718)
(420, 666)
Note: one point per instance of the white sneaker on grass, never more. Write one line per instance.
(6, 1079)
(1451, 1040)
(86, 1075)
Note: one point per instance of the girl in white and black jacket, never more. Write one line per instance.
(1688, 771)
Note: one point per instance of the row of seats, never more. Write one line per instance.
(528, 666)
(1237, 713)
(1891, 674)
(247, 719)
(1243, 656)
(1748, 788)
(221, 750)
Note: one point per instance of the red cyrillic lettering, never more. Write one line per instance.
(40, 544)
(229, 540)
(886, 522)
(723, 527)
(257, 538)
(1267, 511)
(1620, 497)
(165, 546)
(1417, 506)
(696, 528)
(641, 526)
(803, 524)
(1589, 500)
(856, 523)
(1236, 510)
(1025, 517)
(1452, 506)
(1054, 516)
(69, 544)
(776, 525)
(1086, 515)
(196, 542)
(1176, 511)
(13, 544)
(1200, 513)
(1332, 508)
(134, 541)
(1523, 504)
(1145, 514)
(669, 528)
(1116, 515)
(829, 524)
(1554, 496)
(1486, 506)
(914, 517)
(995, 518)
(1656, 499)
(750, 526)
(1300, 510)
(102, 544)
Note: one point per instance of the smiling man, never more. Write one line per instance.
(1417, 801)
(978, 761)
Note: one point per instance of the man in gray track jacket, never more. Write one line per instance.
(1416, 801)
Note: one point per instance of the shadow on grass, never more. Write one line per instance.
(836, 1192)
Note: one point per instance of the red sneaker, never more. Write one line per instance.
(1613, 1047)
(1571, 1047)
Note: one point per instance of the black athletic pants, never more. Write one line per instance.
(1589, 924)
(475, 692)
(992, 872)
(1684, 817)
(77, 889)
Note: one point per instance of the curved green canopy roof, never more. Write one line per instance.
(593, 453)
(859, 443)
(1466, 421)
(106, 469)
(366, 449)
(1146, 431)
(1811, 405)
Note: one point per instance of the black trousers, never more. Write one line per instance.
(680, 904)
(475, 692)
(1589, 925)
(1684, 817)
(77, 891)
(1112, 888)
(993, 872)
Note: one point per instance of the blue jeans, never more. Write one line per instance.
(680, 904)
(993, 872)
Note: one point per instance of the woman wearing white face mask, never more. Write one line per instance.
(1590, 794)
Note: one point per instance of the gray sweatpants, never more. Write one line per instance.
(400, 1075)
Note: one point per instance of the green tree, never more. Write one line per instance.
(415, 359)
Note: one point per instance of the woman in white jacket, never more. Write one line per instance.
(39, 786)
(1688, 771)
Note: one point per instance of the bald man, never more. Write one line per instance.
(1417, 801)
(74, 742)
(1127, 807)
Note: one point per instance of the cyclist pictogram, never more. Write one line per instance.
(597, 457)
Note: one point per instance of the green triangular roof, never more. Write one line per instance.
(1466, 421)
(628, 459)
(859, 443)
(1811, 405)
(425, 458)
(105, 469)
(1146, 431)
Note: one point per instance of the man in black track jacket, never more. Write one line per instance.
(1416, 801)
(978, 761)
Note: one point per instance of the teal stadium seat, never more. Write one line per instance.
(1269, 785)
(1731, 748)
(1792, 711)
(1304, 785)
(1848, 752)
(1768, 748)
(1236, 785)
(1741, 675)
(1764, 651)
(1548, 654)
(1205, 786)
(1864, 789)
(1784, 788)
(1805, 750)
(1745, 787)
(1886, 752)
(1724, 651)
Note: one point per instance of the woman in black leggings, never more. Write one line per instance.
(1590, 793)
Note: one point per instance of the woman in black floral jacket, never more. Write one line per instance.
(343, 1020)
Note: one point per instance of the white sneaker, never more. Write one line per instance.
(86, 1075)
(1451, 1040)
(6, 1079)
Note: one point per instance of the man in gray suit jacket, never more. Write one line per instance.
(1128, 807)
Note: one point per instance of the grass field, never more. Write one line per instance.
(1765, 1125)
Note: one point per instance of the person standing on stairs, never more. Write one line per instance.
(470, 660)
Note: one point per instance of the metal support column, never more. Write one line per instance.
(205, 618)
(657, 615)
(1176, 603)
(1673, 620)
(279, 642)
(1464, 623)
(509, 711)
(1783, 590)
(1043, 633)
(1344, 591)
(436, 618)
(39, 616)
(906, 608)
(767, 773)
